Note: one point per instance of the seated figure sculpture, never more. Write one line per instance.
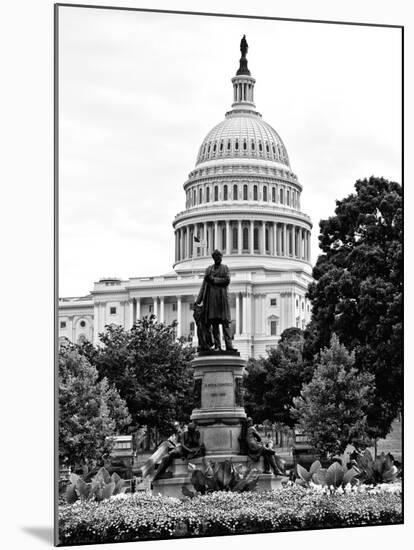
(256, 448)
(188, 447)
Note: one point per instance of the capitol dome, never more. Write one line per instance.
(243, 135)
(242, 195)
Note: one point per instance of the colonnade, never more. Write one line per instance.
(242, 237)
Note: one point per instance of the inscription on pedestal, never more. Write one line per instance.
(217, 390)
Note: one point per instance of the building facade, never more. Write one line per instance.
(242, 198)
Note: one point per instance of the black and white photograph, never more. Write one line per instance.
(230, 269)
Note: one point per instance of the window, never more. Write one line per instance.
(245, 238)
(208, 194)
(200, 195)
(174, 306)
(297, 302)
(214, 148)
(221, 146)
(63, 324)
(287, 197)
(235, 192)
(273, 302)
(244, 145)
(253, 145)
(236, 146)
(215, 193)
(255, 192)
(281, 195)
(151, 308)
(245, 192)
(273, 328)
(256, 238)
(194, 197)
(228, 145)
(260, 146)
(112, 310)
(267, 239)
(235, 236)
(223, 238)
(225, 193)
(273, 148)
(273, 194)
(82, 324)
(265, 194)
(267, 148)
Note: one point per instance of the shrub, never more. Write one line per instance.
(102, 486)
(142, 516)
(380, 470)
(335, 476)
(224, 476)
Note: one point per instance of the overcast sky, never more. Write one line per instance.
(139, 92)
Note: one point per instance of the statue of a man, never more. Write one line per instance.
(244, 46)
(256, 448)
(214, 301)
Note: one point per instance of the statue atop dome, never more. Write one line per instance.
(244, 46)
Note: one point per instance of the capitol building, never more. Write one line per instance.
(243, 198)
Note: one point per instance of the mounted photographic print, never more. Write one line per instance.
(229, 257)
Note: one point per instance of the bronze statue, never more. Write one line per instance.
(256, 449)
(204, 335)
(214, 301)
(244, 46)
(188, 446)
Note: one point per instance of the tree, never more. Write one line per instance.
(89, 410)
(357, 292)
(151, 370)
(332, 407)
(272, 382)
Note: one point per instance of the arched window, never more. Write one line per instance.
(255, 192)
(221, 146)
(260, 146)
(245, 192)
(281, 196)
(253, 145)
(244, 145)
(215, 193)
(208, 150)
(214, 148)
(265, 193)
(273, 194)
(200, 196)
(288, 197)
(225, 193)
(235, 238)
(273, 148)
(267, 148)
(228, 145)
(236, 145)
(234, 192)
(245, 238)
(256, 238)
(194, 197)
(208, 194)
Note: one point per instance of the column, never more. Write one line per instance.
(161, 309)
(131, 312)
(263, 245)
(95, 322)
(244, 313)
(263, 311)
(251, 238)
(227, 238)
(239, 237)
(179, 327)
(237, 331)
(204, 249)
(188, 241)
(215, 235)
(155, 306)
(138, 300)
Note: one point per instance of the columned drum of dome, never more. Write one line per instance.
(242, 196)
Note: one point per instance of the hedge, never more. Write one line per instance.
(142, 516)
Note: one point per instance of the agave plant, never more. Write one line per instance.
(102, 486)
(334, 476)
(380, 470)
(222, 476)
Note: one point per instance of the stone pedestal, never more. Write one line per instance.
(219, 415)
(220, 412)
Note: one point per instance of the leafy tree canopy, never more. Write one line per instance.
(271, 383)
(89, 409)
(357, 292)
(151, 370)
(331, 409)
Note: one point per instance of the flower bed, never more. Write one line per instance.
(143, 517)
